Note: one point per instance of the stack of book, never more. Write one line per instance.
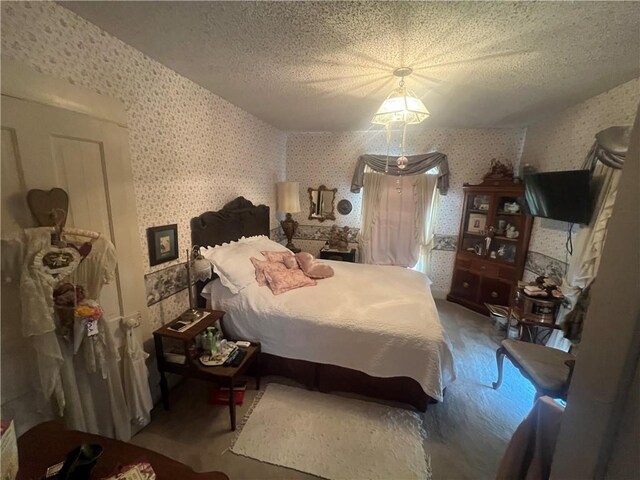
(535, 291)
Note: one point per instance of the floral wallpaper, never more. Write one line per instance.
(329, 158)
(561, 142)
(191, 151)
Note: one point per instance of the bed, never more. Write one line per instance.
(372, 330)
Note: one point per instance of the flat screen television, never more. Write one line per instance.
(561, 196)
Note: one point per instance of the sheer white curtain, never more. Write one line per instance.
(398, 219)
(589, 243)
(394, 236)
(370, 202)
(428, 205)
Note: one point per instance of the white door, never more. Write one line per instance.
(45, 147)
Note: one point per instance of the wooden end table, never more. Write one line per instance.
(192, 368)
(339, 255)
(533, 314)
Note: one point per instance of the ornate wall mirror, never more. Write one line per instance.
(322, 203)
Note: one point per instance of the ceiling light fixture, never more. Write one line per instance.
(401, 108)
(402, 105)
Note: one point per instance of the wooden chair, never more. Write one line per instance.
(548, 369)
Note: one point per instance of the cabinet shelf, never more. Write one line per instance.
(506, 239)
(509, 214)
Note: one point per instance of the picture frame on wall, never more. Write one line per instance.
(163, 243)
(477, 223)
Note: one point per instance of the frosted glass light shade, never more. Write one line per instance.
(401, 106)
(287, 197)
(201, 269)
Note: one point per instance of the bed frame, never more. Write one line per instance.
(240, 218)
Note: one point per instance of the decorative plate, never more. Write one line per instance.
(344, 207)
(57, 262)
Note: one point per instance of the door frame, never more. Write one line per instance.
(20, 81)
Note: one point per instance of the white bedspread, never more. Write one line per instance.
(380, 320)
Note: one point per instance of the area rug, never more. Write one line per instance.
(333, 437)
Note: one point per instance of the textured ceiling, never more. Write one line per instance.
(326, 66)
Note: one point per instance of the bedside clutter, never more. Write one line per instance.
(189, 365)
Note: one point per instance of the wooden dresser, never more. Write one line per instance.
(489, 260)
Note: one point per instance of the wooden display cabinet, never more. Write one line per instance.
(489, 261)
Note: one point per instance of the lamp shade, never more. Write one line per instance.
(202, 269)
(288, 197)
(401, 106)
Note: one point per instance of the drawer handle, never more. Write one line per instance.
(465, 284)
(494, 294)
(483, 267)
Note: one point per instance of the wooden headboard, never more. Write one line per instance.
(236, 219)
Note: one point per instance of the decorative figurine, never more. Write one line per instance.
(487, 239)
(511, 207)
(499, 170)
(339, 238)
(511, 231)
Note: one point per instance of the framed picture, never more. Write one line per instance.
(476, 223)
(163, 243)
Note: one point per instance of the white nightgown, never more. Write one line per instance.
(92, 375)
(87, 385)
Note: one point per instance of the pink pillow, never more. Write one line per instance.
(290, 262)
(281, 281)
(277, 256)
(312, 268)
(261, 266)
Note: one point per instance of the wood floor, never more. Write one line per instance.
(467, 433)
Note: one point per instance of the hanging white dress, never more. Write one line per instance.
(86, 385)
(136, 377)
(36, 292)
(91, 376)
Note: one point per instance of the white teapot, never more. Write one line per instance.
(511, 232)
(511, 207)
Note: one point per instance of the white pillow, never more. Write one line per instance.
(232, 261)
(265, 244)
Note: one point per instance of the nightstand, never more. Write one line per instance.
(339, 255)
(191, 367)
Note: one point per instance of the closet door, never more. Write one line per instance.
(53, 147)
(45, 147)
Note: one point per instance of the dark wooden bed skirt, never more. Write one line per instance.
(330, 378)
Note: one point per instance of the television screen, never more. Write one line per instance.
(559, 195)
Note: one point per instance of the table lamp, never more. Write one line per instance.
(288, 201)
(198, 269)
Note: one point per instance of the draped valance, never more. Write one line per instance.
(610, 148)
(416, 164)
